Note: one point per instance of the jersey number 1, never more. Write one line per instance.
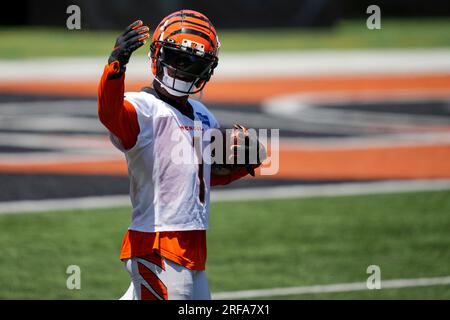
(197, 148)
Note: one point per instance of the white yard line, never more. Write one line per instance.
(29, 206)
(329, 190)
(238, 194)
(249, 64)
(338, 287)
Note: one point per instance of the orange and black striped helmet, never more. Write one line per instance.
(184, 47)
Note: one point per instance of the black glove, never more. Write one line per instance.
(242, 141)
(135, 36)
(239, 140)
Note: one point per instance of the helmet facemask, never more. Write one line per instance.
(181, 70)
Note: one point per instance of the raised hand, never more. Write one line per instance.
(134, 36)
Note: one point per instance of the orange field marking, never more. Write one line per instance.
(250, 90)
(406, 162)
(256, 90)
(400, 162)
(109, 167)
(333, 164)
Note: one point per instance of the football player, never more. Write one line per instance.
(164, 249)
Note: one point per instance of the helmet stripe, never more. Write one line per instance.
(193, 23)
(181, 14)
(161, 37)
(194, 32)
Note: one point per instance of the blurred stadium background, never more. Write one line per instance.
(364, 119)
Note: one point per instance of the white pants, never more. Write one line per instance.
(164, 280)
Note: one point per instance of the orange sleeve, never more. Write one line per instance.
(217, 180)
(117, 114)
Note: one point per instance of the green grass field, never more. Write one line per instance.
(410, 33)
(252, 245)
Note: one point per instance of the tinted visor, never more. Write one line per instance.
(186, 62)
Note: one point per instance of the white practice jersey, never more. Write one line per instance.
(167, 188)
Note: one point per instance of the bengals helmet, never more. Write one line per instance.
(184, 52)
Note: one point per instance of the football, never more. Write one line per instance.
(237, 143)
